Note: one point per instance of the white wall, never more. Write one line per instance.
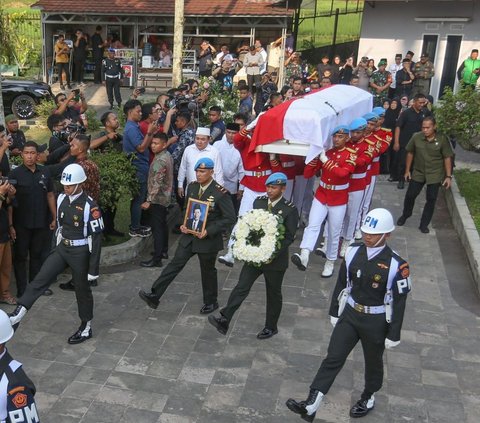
(390, 28)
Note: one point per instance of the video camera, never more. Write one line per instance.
(183, 103)
(6, 180)
(75, 128)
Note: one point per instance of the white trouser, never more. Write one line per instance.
(246, 205)
(367, 200)
(303, 194)
(289, 191)
(351, 215)
(334, 216)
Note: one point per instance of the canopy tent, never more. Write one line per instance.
(302, 126)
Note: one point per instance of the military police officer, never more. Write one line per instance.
(274, 271)
(17, 391)
(112, 73)
(206, 243)
(368, 305)
(78, 234)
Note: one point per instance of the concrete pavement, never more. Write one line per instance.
(171, 366)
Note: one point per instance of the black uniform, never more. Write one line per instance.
(369, 281)
(32, 228)
(112, 72)
(273, 272)
(79, 224)
(221, 217)
(17, 392)
(97, 41)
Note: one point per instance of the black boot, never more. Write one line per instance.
(67, 286)
(220, 322)
(83, 333)
(308, 408)
(150, 298)
(362, 407)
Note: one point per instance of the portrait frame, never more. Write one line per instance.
(192, 205)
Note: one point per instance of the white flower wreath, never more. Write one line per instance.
(257, 236)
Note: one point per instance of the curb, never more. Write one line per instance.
(124, 252)
(465, 228)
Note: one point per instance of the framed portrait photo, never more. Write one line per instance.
(196, 215)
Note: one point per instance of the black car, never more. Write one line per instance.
(21, 96)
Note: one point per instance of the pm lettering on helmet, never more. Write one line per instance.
(371, 221)
(67, 177)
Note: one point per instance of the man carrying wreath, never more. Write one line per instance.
(273, 271)
(205, 243)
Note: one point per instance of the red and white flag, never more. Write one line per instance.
(310, 119)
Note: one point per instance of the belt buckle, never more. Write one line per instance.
(359, 307)
(66, 242)
(258, 174)
(328, 186)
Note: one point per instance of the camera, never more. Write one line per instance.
(141, 90)
(183, 103)
(73, 128)
(5, 180)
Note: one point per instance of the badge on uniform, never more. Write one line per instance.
(79, 208)
(382, 266)
(377, 279)
(211, 201)
(359, 273)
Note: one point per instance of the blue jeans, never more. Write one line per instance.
(136, 203)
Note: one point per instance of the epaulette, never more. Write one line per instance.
(387, 129)
(220, 188)
(262, 197)
(351, 150)
(290, 204)
(369, 141)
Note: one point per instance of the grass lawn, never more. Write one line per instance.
(469, 185)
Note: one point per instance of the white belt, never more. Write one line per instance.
(334, 187)
(369, 167)
(366, 309)
(74, 242)
(376, 159)
(258, 174)
(288, 164)
(111, 76)
(359, 175)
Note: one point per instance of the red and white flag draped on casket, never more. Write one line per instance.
(302, 126)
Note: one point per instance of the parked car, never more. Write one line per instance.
(21, 96)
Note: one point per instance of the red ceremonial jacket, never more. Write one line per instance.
(255, 176)
(335, 175)
(384, 138)
(286, 164)
(364, 152)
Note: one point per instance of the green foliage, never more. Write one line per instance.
(458, 115)
(468, 183)
(122, 119)
(20, 40)
(217, 96)
(94, 123)
(44, 110)
(117, 177)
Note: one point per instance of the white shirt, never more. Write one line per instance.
(263, 66)
(393, 69)
(190, 158)
(232, 164)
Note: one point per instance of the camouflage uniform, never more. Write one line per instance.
(423, 73)
(380, 79)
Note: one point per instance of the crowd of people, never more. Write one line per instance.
(177, 161)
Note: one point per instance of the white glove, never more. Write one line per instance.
(389, 344)
(323, 157)
(273, 156)
(333, 320)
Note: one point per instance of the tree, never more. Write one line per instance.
(458, 116)
(178, 43)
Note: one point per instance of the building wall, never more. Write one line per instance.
(390, 28)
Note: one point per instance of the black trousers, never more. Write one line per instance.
(113, 87)
(158, 221)
(30, 245)
(207, 270)
(108, 215)
(78, 259)
(78, 69)
(97, 73)
(60, 68)
(399, 159)
(352, 326)
(254, 81)
(273, 282)
(414, 188)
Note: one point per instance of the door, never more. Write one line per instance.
(430, 46)
(450, 63)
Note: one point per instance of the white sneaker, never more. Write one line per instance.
(328, 269)
(358, 234)
(343, 249)
(301, 260)
(227, 259)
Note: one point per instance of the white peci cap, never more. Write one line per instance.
(203, 131)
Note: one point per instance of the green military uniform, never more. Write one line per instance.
(221, 217)
(423, 72)
(380, 79)
(273, 271)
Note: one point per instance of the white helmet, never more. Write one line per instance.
(378, 221)
(73, 174)
(6, 330)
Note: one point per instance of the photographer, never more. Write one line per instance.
(69, 107)
(362, 74)
(60, 133)
(108, 139)
(205, 59)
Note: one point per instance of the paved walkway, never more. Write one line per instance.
(171, 366)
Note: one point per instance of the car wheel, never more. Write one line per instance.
(23, 107)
